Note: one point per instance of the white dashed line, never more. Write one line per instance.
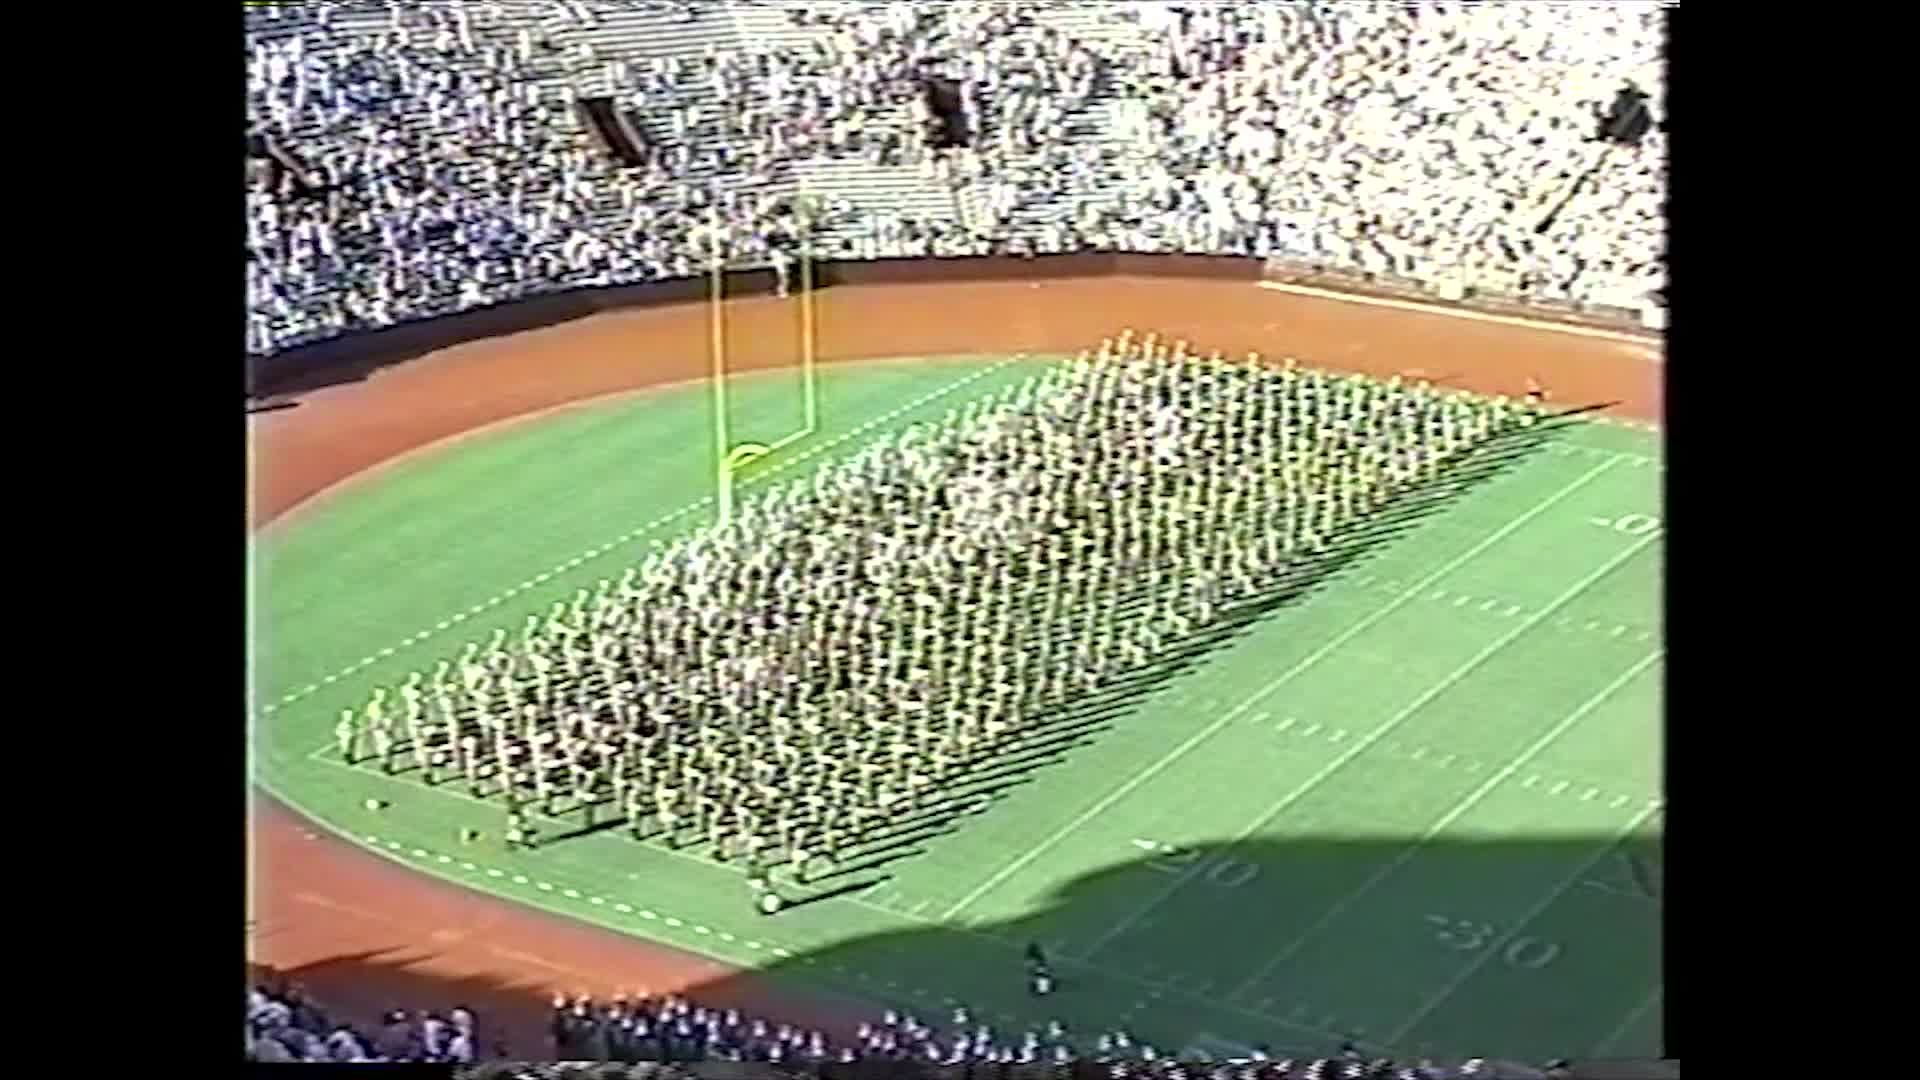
(519, 879)
(571, 894)
(623, 909)
(645, 914)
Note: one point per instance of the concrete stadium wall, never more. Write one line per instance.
(354, 356)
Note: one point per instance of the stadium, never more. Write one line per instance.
(807, 533)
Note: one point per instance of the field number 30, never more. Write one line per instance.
(1635, 524)
(1529, 953)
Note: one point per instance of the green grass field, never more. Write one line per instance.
(1418, 804)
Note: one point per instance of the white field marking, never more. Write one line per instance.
(1453, 762)
(1472, 798)
(1613, 1036)
(1320, 776)
(671, 921)
(570, 893)
(1135, 978)
(1601, 886)
(1519, 925)
(543, 886)
(1312, 658)
(756, 476)
(1652, 342)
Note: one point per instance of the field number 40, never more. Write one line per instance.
(1466, 935)
(1632, 524)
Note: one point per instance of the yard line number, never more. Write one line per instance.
(1634, 524)
(1466, 935)
(1224, 871)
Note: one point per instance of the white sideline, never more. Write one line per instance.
(1652, 341)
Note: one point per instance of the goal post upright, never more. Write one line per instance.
(729, 458)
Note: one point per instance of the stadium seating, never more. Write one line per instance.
(1447, 144)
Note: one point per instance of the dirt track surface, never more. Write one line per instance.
(365, 934)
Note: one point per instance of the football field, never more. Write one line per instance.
(1416, 803)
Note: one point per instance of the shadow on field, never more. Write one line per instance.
(1168, 947)
(1167, 942)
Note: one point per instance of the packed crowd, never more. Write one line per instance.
(285, 1025)
(853, 656)
(443, 166)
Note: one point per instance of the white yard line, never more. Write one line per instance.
(1494, 948)
(1601, 886)
(1312, 658)
(1606, 1044)
(1154, 986)
(1654, 343)
(449, 621)
(1472, 798)
(1320, 775)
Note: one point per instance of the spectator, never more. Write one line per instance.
(1428, 143)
